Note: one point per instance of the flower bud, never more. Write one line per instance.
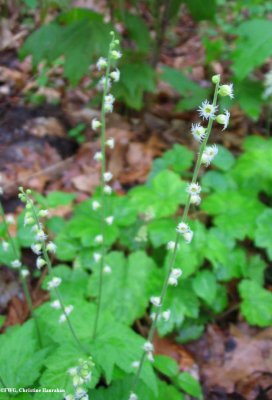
(216, 79)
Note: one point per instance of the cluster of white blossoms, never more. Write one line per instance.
(149, 349)
(41, 247)
(104, 85)
(184, 230)
(208, 112)
(201, 134)
(32, 218)
(81, 375)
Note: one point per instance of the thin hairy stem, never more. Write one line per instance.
(174, 254)
(22, 279)
(57, 292)
(103, 199)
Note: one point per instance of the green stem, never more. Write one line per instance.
(22, 279)
(103, 205)
(2, 382)
(57, 292)
(173, 258)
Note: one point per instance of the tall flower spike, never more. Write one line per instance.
(42, 248)
(206, 153)
(106, 176)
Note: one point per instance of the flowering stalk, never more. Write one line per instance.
(107, 106)
(23, 273)
(205, 156)
(42, 248)
(81, 375)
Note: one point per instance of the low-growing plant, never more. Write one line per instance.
(119, 259)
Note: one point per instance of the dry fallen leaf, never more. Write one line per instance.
(240, 359)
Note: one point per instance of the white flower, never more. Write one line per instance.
(195, 199)
(209, 153)
(95, 205)
(98, 156)
(268, 85)
(5, 245)
(102, 82)
(133, 396)
(115, 75)
(116, 54)
(36, 248)
(226, 90)
(69, 397)
(107, 189)
(193, 188)
(107, 270)
(51, 247)
(40, 236)
(55, 304)
(223, 119)
(54, 283)
(95, 124)
(170, 245)
(101, 63)
(198, 132)
(207, 110)
(16, 264)
(148, 346)
(68, 311)
(80, 394)
(176, 272)
(72, 371)
(188, 236)
(62, 318)
(10, 219)
(110, 143)
(156, 301)
(24, 273)
(153, 316)
(174, 276)
(43, 213)
(109, 220)
(97, 257)
(150, 356)
(166, 315)
(172, 281)
(182, 228)
(40, 262)
(135, 364)
(28, 219)
(77, 380)
(109, 100)
(35, 228)
(98, 239)
(107, 176)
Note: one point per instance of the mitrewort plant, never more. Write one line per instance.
(100, 156)
(205, 156)
(103, 341)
